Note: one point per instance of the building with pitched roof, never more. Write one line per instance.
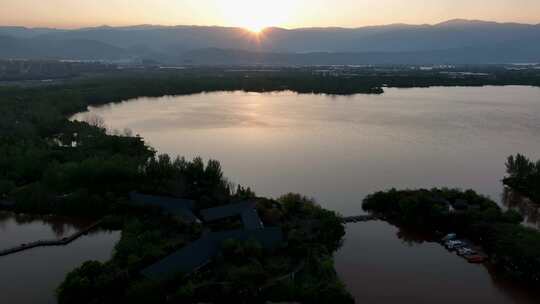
(182, 208)
(246, 211)
(192, 257)
(199, 253)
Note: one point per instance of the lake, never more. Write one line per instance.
(31, 277)
(338, 149)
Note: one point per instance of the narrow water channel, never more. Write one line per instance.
(31, 277)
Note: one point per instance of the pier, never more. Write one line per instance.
(67, 240)
(358, 219)
(47, 243)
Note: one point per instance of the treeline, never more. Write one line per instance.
(49, 164)
(523, 176)
(98, 186)
(512, 248)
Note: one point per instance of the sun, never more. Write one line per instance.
(255, 16)
(255, 28)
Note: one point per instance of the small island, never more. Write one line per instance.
(193, 237)
(251, 251)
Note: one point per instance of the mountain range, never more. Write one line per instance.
(451, 42)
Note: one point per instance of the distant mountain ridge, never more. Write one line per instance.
(38, 48)
(453, 41)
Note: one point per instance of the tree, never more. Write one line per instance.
(94, 120)
(519, 167)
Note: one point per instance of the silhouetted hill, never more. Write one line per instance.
(24, 32)
(40, 48)
(451, 41)
(488, 55)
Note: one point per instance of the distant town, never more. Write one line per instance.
(44, 72)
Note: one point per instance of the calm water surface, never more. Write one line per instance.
(32, 276)
(339, 149)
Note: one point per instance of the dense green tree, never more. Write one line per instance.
(523, 176)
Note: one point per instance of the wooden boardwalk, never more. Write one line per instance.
(47, 243)
(73, 237)
(358, 219)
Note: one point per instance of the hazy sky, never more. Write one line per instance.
(256, 14)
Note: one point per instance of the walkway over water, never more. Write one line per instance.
(67, 240)
(47, 243)
(358, 219)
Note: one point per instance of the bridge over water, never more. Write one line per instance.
(358, 219)
(47, 243)
(67, 240)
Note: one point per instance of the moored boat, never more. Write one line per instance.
(476, 258)
(449, 237)
(454, 244)
(466, 251)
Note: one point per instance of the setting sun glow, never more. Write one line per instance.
(255, 28)
(255, 16)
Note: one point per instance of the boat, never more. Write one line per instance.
(455, 244)
(449, 237)
(476, 259)
(466, 251)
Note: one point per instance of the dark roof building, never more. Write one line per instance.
(251, 219)
(185, 260)
(199, 253)
(246, 211)
(225, 211)
(175, 206)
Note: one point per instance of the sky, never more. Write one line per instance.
(257, 14)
